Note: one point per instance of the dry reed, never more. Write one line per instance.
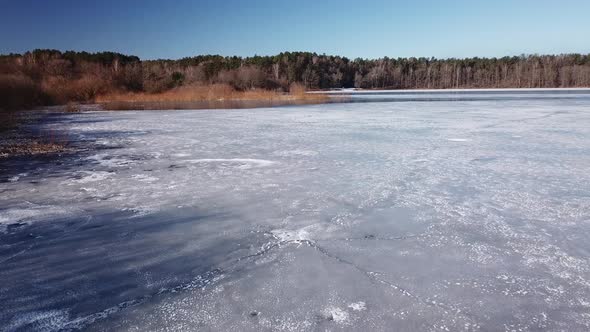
(213, 92)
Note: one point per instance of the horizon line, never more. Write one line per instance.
(309, 52)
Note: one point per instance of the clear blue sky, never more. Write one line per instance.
(173, 29)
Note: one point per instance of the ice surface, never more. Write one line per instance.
(447, 213)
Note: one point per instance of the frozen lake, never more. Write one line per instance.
(398, 211)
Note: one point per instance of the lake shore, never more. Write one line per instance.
(22, 135)
(185, 99)
(345, 90)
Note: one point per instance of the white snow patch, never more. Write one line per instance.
(358, 306)
(310, 233)
(336, 314)
(243, 163)
(288, 153)
(52, 320)
(140, 211)
(29, 215)
(458, 139)
(108, 161)
(17, 177)
(291, 235)
(155, 155)
(93, 176)
(144, 178)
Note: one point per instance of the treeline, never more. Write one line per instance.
(54, 77)
(327, 72)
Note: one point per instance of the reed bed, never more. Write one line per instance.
(209, 94)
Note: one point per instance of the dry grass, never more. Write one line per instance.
(72, 107)
(214, 92)
(18, 91)
(25, 143)
(30, 148)
(8, 120)
(297, 89)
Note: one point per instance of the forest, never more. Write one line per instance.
(45, 77)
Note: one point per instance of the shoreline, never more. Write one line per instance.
(387, 90)
(308, 98)
(27, 137)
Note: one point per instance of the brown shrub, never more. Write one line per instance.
(18, 91)
(61, 90)
(56, 89)
(72, 107)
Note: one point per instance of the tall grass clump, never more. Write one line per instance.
(297, 89)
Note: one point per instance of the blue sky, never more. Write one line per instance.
(369, 29)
